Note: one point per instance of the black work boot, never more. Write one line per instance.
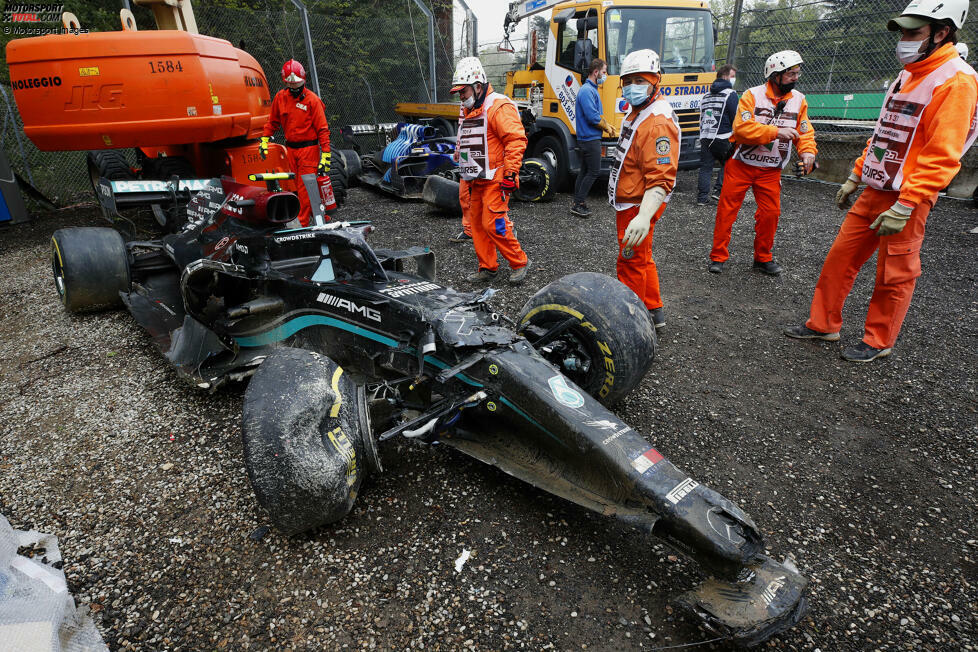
(658, 317)
(863, 352)
(802, 332)
(581, 210)
(716, 267)
(770, 268)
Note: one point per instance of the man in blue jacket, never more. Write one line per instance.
(590, 123)
(718, 108)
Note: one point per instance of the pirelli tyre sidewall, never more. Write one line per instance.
(90, 267)
(303, 445)
(536, 181)
(609, 321)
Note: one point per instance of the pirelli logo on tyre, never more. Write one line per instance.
(344, 447)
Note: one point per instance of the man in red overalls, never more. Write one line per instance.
(302, 116)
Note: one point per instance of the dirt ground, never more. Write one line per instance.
(866, 473)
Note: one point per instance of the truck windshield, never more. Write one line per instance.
(682, 38)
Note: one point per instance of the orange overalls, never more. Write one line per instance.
(942, 92)
(647, 155)
(303, 121)
(757, 165)
(491, 142)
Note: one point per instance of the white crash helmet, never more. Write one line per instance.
(641, 61)
(468, 71)
(962, 49)
(780, 61)
(919, 12)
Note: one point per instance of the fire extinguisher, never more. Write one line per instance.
(326, 195)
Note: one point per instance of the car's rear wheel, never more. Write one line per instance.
(536, 181)
(90, 266)
(351, 161)
(304, 431)
(595, 330)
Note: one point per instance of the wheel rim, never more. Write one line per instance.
(532, 183)
(57, 267)
(550, 156)
(570, 346)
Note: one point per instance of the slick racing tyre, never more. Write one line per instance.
(90, 266)
(304, 447)
(442, 194)
(595, 330)
(536, 181)
(351, 163)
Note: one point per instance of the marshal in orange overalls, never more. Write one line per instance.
(648, 156)
(947, 91)
(303, 120)
(491, 145)
(757, 163)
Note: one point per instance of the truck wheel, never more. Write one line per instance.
(553, 151)
(536, 181)
(108, 163)
(90, 266)
(442, 194)
(595, 330)
(351, 161)
(443, 128)
(304, 448)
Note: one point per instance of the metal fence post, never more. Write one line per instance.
(431, 48)
(307, 35)
(734, 28)
(473, 29)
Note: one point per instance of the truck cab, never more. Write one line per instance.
(680, 31)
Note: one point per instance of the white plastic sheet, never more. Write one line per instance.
(37, 614)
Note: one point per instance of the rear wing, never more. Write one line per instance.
(114, 196)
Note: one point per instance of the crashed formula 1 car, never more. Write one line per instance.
(347, 349)
(418, 163)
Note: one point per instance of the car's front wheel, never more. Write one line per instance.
(595, 330)
(304, 426)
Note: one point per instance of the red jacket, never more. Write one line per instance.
(301, 119)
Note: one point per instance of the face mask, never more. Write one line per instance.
(733, 81)
(602, 79)
(469, 102)
(296, 92)
(908, 51)
(635, 94)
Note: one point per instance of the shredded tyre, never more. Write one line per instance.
(595, 330)
(442, 194)
(303, 442)
(90, 267)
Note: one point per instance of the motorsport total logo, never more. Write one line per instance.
(35, 19)
(32, 12)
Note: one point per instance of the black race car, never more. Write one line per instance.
(348, 349)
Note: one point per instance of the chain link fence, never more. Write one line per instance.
(849, 55)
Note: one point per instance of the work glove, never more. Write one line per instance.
(607, 128)
(638, 229)
(263, 147)
(323, 164)
(806, 164)
(892, 220)
(508, 184)
(842, 197)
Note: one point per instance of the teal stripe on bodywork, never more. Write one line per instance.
(293, 326)
(505, 401)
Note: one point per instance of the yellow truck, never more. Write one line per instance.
(682, 32)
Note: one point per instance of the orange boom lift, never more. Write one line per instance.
(192, 106)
